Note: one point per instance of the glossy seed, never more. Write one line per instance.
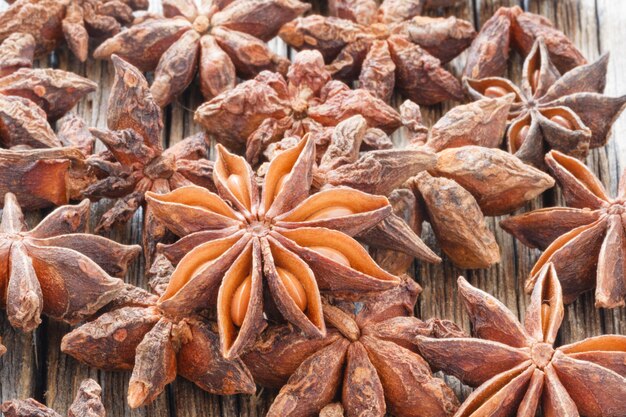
(521, 137)
(562, 121)
(333, 254)
(545, 317)
(237, 186)
(294, 287)
(534, 80)
(240, 301)
(330, 212)
(495, 91)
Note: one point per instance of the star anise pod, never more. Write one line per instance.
(241, 242)
(157, 348)
(393, 47)
(583, 241)
(511, 26)
(76, 21)
(265, 109)
(56, 269)
(135, 161)
(367, 360)
(568, 113)
(517, 369)
(88, 403)
(220, 40)
(470, 180)
(29, 97)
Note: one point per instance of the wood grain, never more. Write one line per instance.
(35, 367)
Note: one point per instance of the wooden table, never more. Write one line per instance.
(35, 367)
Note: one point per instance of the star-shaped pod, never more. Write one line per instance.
(135, 161)
(88, 403)
(512, 27)
(584, 241)
(393, 47)
(263, 110)
(29, 97)
(76, 21)
(157, 348)
(469, 179)
(568, 113)
(367, 360)
(239, 243)
(517, 369)
(220, 40)
(55, 269)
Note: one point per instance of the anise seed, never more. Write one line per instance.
(237, 186)
(534, 80)
(495, 91)
(562, 121)
(333, 254)
(328, 212)
(294, 287)
(240, 301)
(521, 136)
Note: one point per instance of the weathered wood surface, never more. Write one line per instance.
(35, 367)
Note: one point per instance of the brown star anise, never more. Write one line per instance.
(585, 241)
(135, 161)
(235, 240)
(263, 110)
(388, 48)
(517, 369)
(489, 53)
(54, 268)
(469, 179)
(367, 360)
(157, 347)
(88, 403)
(568, 113)
(31, 96)
(221, 40)
(78, 21)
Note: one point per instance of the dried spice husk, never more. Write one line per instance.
(243, 241)
(583, 241)
(367, 360)
(135, 161)
(512, 27)
(88, 403)
(77, 22)
(470, 180)
(56, 268)
(29, 97)
(392, 47)
(43, 178)
(516, 367)
(219, 40)
(261, 111)
(567, 113)
(157, 348)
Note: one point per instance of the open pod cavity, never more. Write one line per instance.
(235, 181)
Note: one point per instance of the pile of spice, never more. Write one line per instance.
(282, 256)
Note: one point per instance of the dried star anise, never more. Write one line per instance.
(469, 179)
(88, 403)
(77, 21)
(56, 269)
(157, 347)
(568, 113)
(489, 52)
(388, 48)
(367, 360)
(517, 369)
(265, 109)
(135, 161)
(29, 97)
(241, 242)
(585, 241)
(220, 40)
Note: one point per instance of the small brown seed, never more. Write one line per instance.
(495, 91)
(521, 137)
(534, 80)
(545, 317)
(238, 187)
(240, 301)
(294, 287)
(333, 254)
(562, 121)
(330, 212)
